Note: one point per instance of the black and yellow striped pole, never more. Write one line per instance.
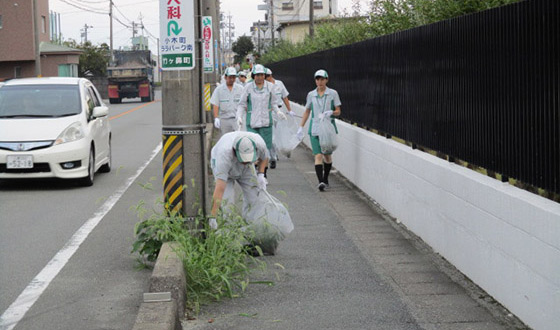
(173, 181)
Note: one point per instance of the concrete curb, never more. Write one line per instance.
(168, 276)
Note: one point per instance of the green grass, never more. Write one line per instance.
(217, 263)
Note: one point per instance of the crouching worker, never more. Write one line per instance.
(268, 220)
(232, 160)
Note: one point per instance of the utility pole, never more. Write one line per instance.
(272, 20)
(37, 39)
(184, 128)
(259, 36)
(84, 34)
(311, 22)
(111, 29)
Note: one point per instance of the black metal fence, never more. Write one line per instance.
(483, 88)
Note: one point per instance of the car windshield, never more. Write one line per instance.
(24, 101)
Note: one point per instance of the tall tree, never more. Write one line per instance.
(243, 46)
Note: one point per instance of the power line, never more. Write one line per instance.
(91, 10)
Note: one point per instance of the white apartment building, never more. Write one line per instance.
(289, 13)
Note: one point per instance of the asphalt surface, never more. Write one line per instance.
(99, 287)
(348, 265)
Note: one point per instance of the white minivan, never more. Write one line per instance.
(53, 127)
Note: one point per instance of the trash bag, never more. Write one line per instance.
(268, 221)
(284, 137)
(327, 136)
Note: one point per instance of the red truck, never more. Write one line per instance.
(130, 75)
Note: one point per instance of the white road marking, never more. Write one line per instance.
(17, 310)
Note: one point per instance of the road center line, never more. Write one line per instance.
(17, 310)
(131, 110)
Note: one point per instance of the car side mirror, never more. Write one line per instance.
(100, 111)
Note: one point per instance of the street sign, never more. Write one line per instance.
(207, 47)
(176, 26)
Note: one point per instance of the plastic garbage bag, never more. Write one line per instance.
(284, 137)
(269, 221)
(327, 136)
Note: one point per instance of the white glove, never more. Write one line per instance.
(326, 115)
(239, 122)
(299, 133)
(261, 181)
(292, 114)
(212, 223)
(281, 115)
(217, 122)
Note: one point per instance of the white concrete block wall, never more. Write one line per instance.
(505, 239)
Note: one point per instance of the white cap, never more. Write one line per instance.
(259, 68)
(245, 149)
(230, 72)
(242, 74)
(321, 73)
(268, 71)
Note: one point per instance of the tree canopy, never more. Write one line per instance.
(243, 46)
(93, 60)
(385, 17)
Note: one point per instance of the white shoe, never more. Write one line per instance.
(321, 186)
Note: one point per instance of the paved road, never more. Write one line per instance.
(98, 288)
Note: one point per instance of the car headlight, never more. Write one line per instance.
(71, 133)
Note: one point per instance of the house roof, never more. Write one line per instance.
(47, 47)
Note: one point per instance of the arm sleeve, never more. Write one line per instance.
(336, 99)
(215, 100)
(242, 105)
(308, 101)
(274, 100)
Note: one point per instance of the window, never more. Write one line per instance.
(0, 21)
(287, 5)
(17, 72)
(43, 24)
(67, 70)
(318, 4)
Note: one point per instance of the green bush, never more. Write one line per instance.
(385, 17)
(217, 262)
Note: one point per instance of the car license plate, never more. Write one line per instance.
(23, 161)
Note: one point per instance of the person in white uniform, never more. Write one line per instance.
(322, 102)
(224, 102)
(256, 105)
(283, 101)
(242, 78)
(232, 160)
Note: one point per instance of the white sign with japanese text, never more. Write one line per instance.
(207, 44)
(177, 46)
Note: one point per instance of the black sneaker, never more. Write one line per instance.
(321, 186)
(273, 164)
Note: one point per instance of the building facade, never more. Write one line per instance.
(291, 20)
(18, 46)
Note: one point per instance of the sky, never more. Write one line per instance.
(75, 14)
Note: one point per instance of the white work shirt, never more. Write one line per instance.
(319, 104)
(226, 100)
(280, 91)
(258, 103)
(224, 162)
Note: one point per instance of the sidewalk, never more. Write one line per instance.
(347, 265)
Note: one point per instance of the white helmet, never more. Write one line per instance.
(321, 73)
(268, 72)
(259, 68)
(230, 72)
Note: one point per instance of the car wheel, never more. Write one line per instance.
(87, 181)
(106, 168)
